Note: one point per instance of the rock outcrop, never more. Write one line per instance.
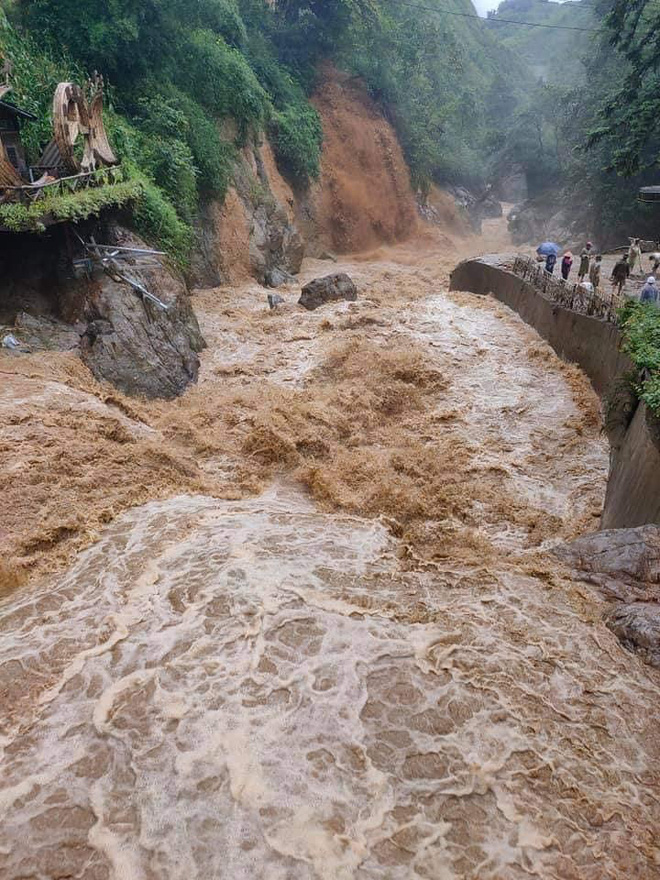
(326, 290)
(253, 233)
(130, 342)
(637, 626)
(535, 221)
(275, 245)
(476, 206)
(124, 340)
(46, 333)
(624, 564)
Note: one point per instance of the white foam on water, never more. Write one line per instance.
(258, 689)
(250, 700)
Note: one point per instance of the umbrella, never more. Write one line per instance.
(548, 247)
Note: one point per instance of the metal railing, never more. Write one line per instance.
(576, 297)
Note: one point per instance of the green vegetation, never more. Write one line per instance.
(446, 82)
(69, 206)
(640, 325)
(628, 117)
(179, 71)
(192, 83)
(587, 133)
(554, 56)
(176, 71)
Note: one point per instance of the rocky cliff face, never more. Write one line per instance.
(130, 341)
(122, 338)
(362, 199)
(624, 564)
(253, 233)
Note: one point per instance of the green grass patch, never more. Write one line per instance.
(154, 217)
(69, 206)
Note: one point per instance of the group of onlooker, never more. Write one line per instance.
(590, 268)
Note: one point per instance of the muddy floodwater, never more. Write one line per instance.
(368, 663)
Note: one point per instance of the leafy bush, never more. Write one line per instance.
(297, 136)
(640, 324)
(157, 221)
(213, 157)
(225, 83)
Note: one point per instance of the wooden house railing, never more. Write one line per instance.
(29, 193)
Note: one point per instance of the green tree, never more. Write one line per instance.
(629, 121)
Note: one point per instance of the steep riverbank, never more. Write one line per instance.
(633, 496)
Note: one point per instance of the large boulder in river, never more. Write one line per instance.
(329, 289)
(130, 341)
(637, 626)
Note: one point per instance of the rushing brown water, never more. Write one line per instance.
(369, 668)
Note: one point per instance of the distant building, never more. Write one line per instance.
(649, 194)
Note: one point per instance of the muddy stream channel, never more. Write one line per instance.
(365, 664)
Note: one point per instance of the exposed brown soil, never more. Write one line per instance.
(232, 248)
(364, 196)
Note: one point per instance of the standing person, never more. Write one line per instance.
(585, 260)
(550, 263)
(634, 254)
(566, 264)
(595, 270)
(649, 292)
(620, 274)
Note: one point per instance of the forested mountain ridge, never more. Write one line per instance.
(177, 69)
(603, 134)
(553, 54)
(469, 99)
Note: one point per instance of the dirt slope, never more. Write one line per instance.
(363, 197)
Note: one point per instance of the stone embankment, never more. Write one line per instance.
(633, 495)
(621, 561)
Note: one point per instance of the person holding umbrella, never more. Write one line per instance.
(550, 251)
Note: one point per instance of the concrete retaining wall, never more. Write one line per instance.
(633, 494)
(633, 489)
